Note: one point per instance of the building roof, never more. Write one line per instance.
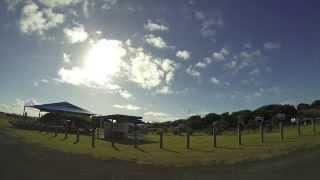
(63, 107)
(124, 118)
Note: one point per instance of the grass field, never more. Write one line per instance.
(175, 152)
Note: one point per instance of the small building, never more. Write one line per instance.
(119, 126)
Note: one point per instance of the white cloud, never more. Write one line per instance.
(268, 69)
(253, 96)
(102, 63)
(273, 90)
(148, 71)
(36, 83)
(164, 90)
(12, 4)
(35, 20)
(232, 65)
(125, 94)
(251, 55)
(59, 3)
(155, 41)
(44, 81)
(66, 58)
(201, 65)
(108, 4)
(209, 24)
(215, 81)
(76, 34)
(221, 55)
(152, 26)
(183, 54)
(244, 59)
(207, 60)
(199, 15)
(192, 2)
(191, 71)
(110, 59)
(157, 116)
(271, 45)
(17, 107)
(247, 45)
(254, 72)
(129, 107)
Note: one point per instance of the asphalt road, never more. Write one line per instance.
(25, 161)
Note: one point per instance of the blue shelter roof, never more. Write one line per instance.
(63, 107)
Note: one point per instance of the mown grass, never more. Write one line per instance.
(175, 152)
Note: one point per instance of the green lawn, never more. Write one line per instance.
(175, 152)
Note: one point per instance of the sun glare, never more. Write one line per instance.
(103, 60)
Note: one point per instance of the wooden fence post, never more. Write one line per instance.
(188, 139)
(135, 136)
(66, 130)
(298, 126)
(78, 135)
(313, 125)
(111, 134)
(161, 140)
(214, 134)
(55, 132)
(261, 133)
(93, 138)
(239, 135)
(281, 130)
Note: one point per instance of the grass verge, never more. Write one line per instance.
(175, 152)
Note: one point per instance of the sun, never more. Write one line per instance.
(103, 60)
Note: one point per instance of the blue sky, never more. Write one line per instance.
(158, 59)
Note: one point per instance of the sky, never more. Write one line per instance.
(160, 59)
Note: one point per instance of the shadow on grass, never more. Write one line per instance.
(76, 142)
(169, 150)
(115, 147)
(142, 150)
(201, 150)
(265, 144)
(130, 141)
(63, 139)
(310, 135)
(229, 148)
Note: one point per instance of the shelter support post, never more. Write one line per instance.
(214, 134)
(40, 123)
(24, 111)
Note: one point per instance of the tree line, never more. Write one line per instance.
(246, 118)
